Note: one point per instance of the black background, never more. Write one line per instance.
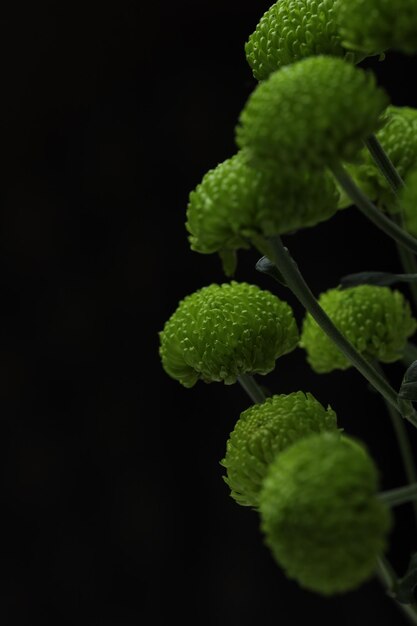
(114, 506)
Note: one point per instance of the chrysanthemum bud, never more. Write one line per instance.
(235, 202)
(310, 114)
(398, 137)
(222, 331)
(292, 30)
(408, 202)
(321, 517)
(263, 431)
(373, 26)
(376, 320)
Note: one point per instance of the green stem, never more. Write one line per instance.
(370, 211)
(384, 164)
(388, 170)
(388, 580)
(400, 495)
(403, 442)
(299, 287)
(252, 388)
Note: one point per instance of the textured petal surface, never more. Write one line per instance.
(263, 431)
(222, 331)
(320, 514)
(398, 137)
(235, 201)
(292, 30)
(376, 25)
(376, 320)
(310, 114)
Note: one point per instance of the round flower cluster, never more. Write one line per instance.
(310, 115)
(398, 137)
(320, 514)
(376, 320)
(263, 431)
(373, 26)
(235, 203)
(222, 331)
(292, 30)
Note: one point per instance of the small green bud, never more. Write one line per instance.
(398, 138)
(376, 320)
(236, 202)
(320, 514)
(408, 202)
(263, 431)
(310, 114)
(222, 331)
(292, 30)
(373, 26)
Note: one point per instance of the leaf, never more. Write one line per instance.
(408, 389)
(380, 279)
(265, 266)
(404, 591)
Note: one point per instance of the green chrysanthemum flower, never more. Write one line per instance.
(222, 331)
(292, 30)
(408, 202)
(235, 203)
(320, 514)
(263, 431)
(310, 114)
(376, 320)
(398, 137)
(376, 25)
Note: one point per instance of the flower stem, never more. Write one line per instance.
(388, 579)
(384, 164)
(299, 287)
(388, 170)
(403, 442)
(252, 388)
(370, 211)
(400, 495)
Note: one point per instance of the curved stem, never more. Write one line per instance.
(299, 287)
(388, 170)
(388, 579)
(384, 164)
(400, 495)
(370, 211)
(403, 443)
(252, 388)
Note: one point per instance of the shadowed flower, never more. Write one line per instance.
(320, 514)
(376, 320)
(263, 431)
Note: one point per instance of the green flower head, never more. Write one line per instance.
(310, 114)
(320, 514)
(373, 26)
(292, 30)
(408, 202)
(376, 320)
(398, 137)
(222, 331)
(263, 431)
(235, 203)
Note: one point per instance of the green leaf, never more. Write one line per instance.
(404, 592)
(408, 389)
(380, 279)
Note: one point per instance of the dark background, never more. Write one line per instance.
(113, 501)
